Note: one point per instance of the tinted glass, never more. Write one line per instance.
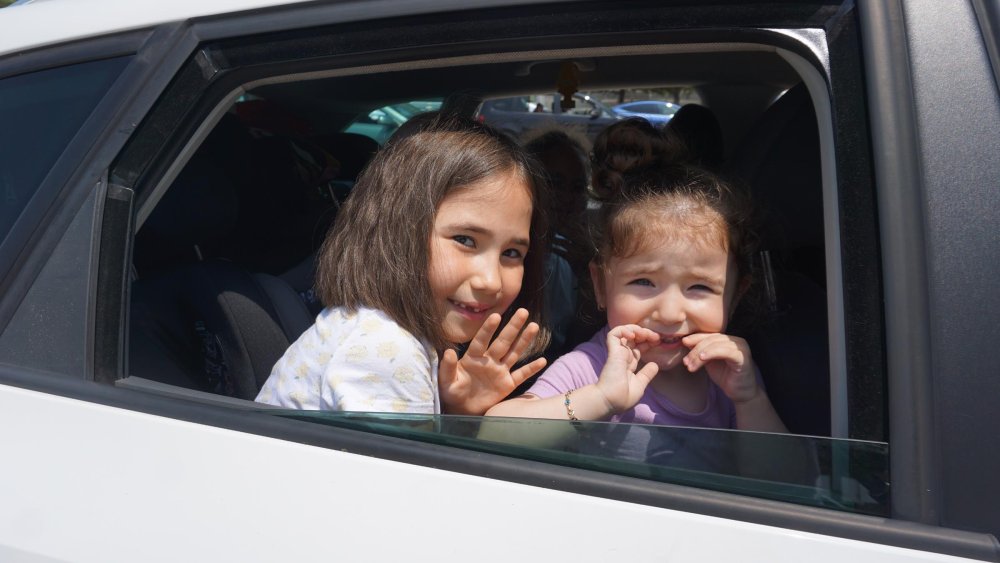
(846, 475)
(40, 112)
(379, 124)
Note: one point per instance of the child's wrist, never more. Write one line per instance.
(752, 397)
(609, 408)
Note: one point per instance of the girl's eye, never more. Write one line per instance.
(464, 240)
(641, 281)
(702, 287)
(513, 253)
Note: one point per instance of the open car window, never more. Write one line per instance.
(228, 224)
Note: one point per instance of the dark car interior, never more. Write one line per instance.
(223, 263)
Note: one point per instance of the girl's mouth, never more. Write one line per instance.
(470, 310)
(670, 342)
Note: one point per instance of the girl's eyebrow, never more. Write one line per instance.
(640, 269)
(474, 228)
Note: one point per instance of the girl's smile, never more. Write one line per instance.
(472, 310)
(478, 244)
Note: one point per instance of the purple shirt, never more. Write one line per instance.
(583, 366)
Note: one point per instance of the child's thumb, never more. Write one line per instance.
(648, 372)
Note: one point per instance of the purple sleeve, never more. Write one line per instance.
(573, 370)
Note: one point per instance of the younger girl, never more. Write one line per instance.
(440, 239)
(672, 261)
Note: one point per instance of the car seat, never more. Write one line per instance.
(207, 323)
(698, 128)
(779, 161)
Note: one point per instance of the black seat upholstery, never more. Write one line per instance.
(698, 128)
(199, 320)
(780, 163)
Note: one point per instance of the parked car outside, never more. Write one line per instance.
(656, 112)
(518, 115)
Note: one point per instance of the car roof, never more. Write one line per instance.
(37, 23)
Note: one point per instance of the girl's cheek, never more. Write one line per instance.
(512, 285)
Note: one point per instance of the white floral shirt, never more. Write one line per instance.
(360, 361)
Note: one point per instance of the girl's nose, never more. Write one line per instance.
(487, 278)
(670, 308)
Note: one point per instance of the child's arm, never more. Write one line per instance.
(727, 361)
(483, 376)
(619, 388)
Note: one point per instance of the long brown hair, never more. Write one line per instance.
(377, 254)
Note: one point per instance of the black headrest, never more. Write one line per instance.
(200, 207)
(699, 129)
(780, 161)
(352, 150)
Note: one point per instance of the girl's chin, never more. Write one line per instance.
(460, 333)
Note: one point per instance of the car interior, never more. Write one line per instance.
(223, 259)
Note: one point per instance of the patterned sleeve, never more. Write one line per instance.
(377, 366)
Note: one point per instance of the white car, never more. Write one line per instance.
(166, 173)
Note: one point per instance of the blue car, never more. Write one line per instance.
(654, 111)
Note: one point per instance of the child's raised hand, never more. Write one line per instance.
(620, 383)
(727, 360)
(483, 377)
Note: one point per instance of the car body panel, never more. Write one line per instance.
(226, 495)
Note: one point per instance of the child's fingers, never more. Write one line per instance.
(448, 368)
(693, 340)
(716, 349)
(630, 335)
(481, 341)
(522, 343)
(521, 374)
(508, 336)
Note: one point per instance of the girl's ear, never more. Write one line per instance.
(597, 278)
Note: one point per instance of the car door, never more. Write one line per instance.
(104, 464)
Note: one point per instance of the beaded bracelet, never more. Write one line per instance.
(569, 409)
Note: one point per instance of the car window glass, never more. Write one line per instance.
(846, 475)
(40, 113)
(379, 124)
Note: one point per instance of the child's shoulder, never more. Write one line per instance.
(596, 347)
(589, 355)
(342, 323)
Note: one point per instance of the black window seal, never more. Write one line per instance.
(83, 163)
(65, 54)
(988, 15)
(893, 124)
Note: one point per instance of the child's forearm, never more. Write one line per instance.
(587, 403)
(758, 414)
